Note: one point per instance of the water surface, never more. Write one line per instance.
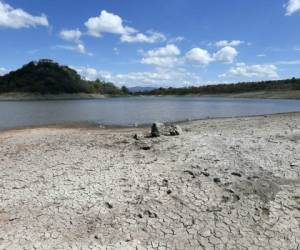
(129, 111)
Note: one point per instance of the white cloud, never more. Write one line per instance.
(292, 7)
(18, 18)
(3, 71)
(90, 73)
(81, 49)
(151, 37)
(200, 56)
(159, 77)
(163, 57)
(261, 55)
(225, 43)
(161, 61)
(226, 54)
(71, 35)
(257, 70)
(110, 23)
(107, 23)
(168, 50)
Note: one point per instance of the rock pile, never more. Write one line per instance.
(159, 129)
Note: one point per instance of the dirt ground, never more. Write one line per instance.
(222, 184)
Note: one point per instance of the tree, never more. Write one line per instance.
(125, 90)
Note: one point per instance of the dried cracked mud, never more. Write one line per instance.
(222, 184)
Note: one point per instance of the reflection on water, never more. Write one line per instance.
(135, 110)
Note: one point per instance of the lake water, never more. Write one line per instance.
(134, 110)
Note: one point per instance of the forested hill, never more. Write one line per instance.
(48, 77)
(244, 87)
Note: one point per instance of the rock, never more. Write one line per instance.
(217, 180)
(175, 130)
(159, 129)
(205, 174)
(150, 214)
(155, 129)
(108, 205)
(146, 147)
(190, 173)
(236, 174)
(137, 137)
(165, 182)
(143, 145)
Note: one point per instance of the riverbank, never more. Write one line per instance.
(292, 95)
(39, 97)
(295, 94)
(223, 184)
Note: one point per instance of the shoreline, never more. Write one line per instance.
(96, 126)
(15, 97)
(269, 95)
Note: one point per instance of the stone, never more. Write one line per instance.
(236, 174)
(155, 132)
(145, 147)
(217, 180)
(108, 205)
(137, 137)
(175, 130)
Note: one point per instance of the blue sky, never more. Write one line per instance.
(155, 43)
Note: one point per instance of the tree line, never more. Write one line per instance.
(242, 87)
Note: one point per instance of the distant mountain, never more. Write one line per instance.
(48, 77)
(141, 89)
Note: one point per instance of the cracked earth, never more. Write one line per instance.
(222, 184)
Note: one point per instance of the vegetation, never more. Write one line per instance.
(244, 87)
(48, 77)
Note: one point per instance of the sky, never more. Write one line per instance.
(158, 42)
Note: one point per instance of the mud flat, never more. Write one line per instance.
(222, 184)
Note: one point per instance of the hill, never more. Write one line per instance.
(48, 77)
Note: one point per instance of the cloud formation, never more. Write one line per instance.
(168, 50)
(158, 77)
(225, 43)
(226, 55)
(18, 18)
(203, 57)
(3, 71)
(163, 57)
(71, 35)
(200, 56)
(257, 70)
(292, 7)
(110, 23)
